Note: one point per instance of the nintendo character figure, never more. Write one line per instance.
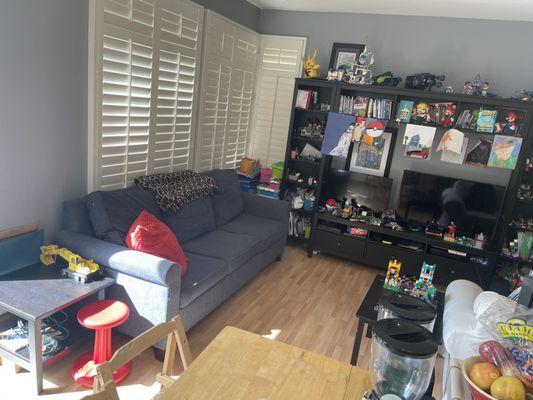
(449, 115)
(421, 113)
(392, 279)
(310, 65)
(476, 86)
(509, 128)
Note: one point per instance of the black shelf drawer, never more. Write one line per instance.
(379, 256)
(340, 245)
(449, 270)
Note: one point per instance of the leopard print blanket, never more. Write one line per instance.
(173, 190)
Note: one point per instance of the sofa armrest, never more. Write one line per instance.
(121, 259)
(266, 208)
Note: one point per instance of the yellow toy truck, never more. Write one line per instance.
(79, 268)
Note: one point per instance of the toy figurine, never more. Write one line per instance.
(476, 86)
(420, 114)
(424, 81)
(450, 235)
(433, 228)
(392, 279)
(310, 65)
(509, 128)
(386, 79)
(479, 241)
(449, 115)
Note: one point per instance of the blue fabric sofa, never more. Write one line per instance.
(228, 238)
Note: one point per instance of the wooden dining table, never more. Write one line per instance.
(242, 365)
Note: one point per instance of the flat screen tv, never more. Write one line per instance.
(370, 191)
(472, 206)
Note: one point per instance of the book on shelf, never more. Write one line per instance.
(303, 99)
(362, 106)
(405, 111)
(486, 121)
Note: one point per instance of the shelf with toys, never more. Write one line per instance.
(444, 111)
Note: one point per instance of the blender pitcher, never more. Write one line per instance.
(402, 360)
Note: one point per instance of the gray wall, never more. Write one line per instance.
(240, 11)
(43, 109)
(458, 48)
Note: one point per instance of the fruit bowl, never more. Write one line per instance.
(477, 393)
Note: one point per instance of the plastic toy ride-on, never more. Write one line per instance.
(424, 81)
(79, 268)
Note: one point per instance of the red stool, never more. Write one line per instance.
(100, 316)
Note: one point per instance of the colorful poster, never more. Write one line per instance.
(504, 152)
(418, 140)
(338, 134)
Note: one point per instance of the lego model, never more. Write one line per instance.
(392, 280)
(79, 268)
(424, 288)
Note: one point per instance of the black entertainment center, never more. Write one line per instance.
(472, 205)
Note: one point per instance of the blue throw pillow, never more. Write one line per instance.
(112, 212)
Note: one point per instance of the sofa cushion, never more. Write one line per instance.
(194, 219)
(203, 273)
(266, 230)
(233, 248)
(113, 212)
(150, 235)
(228, 202)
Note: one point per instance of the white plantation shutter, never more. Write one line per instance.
(279, 64)
(145, 72)
(228, 79)
(179, 51)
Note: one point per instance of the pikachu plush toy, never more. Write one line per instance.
(311, 66)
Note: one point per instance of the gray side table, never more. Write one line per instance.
(34, 293)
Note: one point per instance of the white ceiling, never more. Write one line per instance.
(513, 10)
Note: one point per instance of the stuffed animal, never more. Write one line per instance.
(311, 66)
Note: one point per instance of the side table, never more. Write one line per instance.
(34, 293)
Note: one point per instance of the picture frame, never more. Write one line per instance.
(377, 164)
(345, 54)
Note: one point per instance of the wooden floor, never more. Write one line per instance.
(310, 303)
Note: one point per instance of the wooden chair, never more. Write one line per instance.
(104, 385)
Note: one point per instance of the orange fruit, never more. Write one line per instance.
(483, 374)
(508, 388)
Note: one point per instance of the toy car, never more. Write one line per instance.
(419, 153)
(424, 81)
(386, 79)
